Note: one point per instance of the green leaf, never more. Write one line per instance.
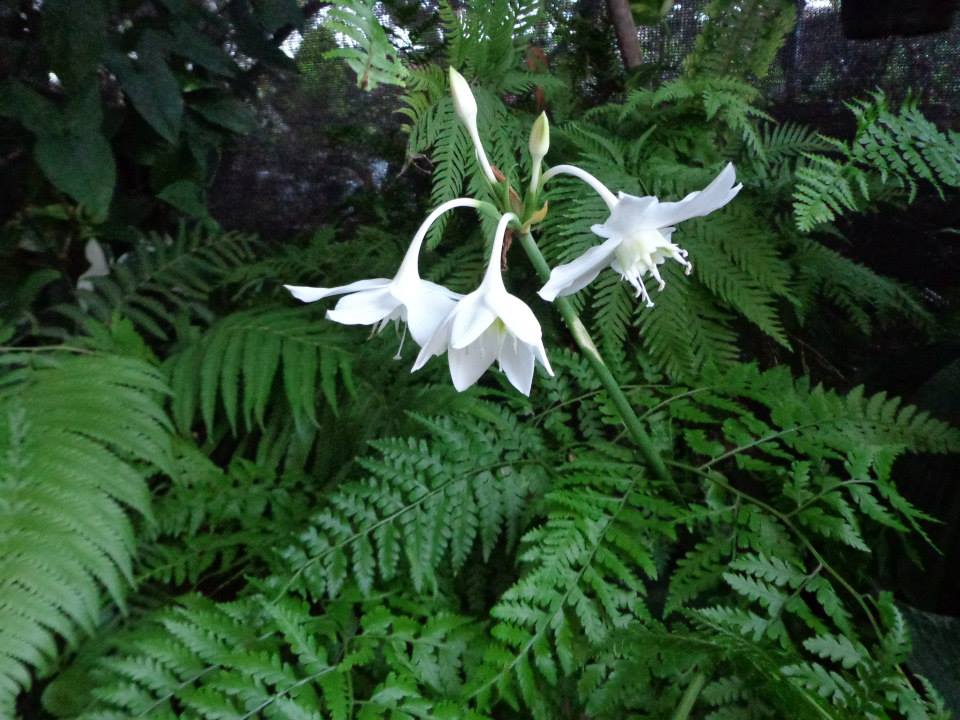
(227, 112)
(31, 109)
(151, 87)
(275, 14)
(81, 166)
(197, 47)
(75, 36)
(189, 198)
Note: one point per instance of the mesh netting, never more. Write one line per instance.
(323, 139)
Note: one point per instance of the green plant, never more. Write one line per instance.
(219, 506)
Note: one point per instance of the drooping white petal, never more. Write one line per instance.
(516, 315)
(516, 359)
(311, 294)
(471, 318)
(697, 204)
(467, 364)
(436, 344)
(570, 277)
(541, 355)
(427, 304)
(364, 308)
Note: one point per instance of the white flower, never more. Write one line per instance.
(98, 265)
(406, 297)
(637, 234)
(489, 324)
(465, 105)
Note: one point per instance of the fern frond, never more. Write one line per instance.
(76, 439)
(424, 504)
(740, 39)
(163, 277)
(254, 658)
(233, 367)
(896, 149)
(587, 565)
(365, 48)
(865, 297)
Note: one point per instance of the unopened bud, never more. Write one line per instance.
(540, 137)
(465, 106)
(463, 101)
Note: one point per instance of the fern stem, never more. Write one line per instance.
(582, 337)
(718, 480)
(690, 696)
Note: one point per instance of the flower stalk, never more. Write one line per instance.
(582, 337)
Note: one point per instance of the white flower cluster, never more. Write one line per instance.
(490, 324)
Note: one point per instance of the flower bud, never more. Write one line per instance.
(463, 101)
(540, 137)
(465, 106)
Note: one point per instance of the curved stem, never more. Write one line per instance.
(412, 256)
(689, 698)
(608, 197)
(493, 274)
(600, 369)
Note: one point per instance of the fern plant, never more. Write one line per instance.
(78, 438)
(896, 149)
(164, 277)
(675, 523)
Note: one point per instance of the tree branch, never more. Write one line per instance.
(622, 18)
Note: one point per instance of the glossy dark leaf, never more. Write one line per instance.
(227, 112)
(151, 87)
(75, 36)
(80, 165)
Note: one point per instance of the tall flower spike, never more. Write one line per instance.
(420, 303)
(489, 324)
(637, 234)
(465, 106)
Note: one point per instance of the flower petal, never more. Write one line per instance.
(630, 212)
(697, 204)
(473, 316)
(436, 344)
(467, 364)
(310, 294)
(364, 308)
(427, 306)
(516, 315)
(541, 355)
(516, 360)
(570, 277)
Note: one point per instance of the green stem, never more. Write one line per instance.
(689, 698)
(600, 369)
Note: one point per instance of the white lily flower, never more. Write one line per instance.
(406, 297)
(465, 105)
(637, 234)
(486, 325)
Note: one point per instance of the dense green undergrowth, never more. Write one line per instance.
(217, 504)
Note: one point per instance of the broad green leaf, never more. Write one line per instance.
(198, 48)
(81, 166)
(187, 197)
(276, 14)
(35, 112)
(227, 112)
(75, 36)
(151, 87)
